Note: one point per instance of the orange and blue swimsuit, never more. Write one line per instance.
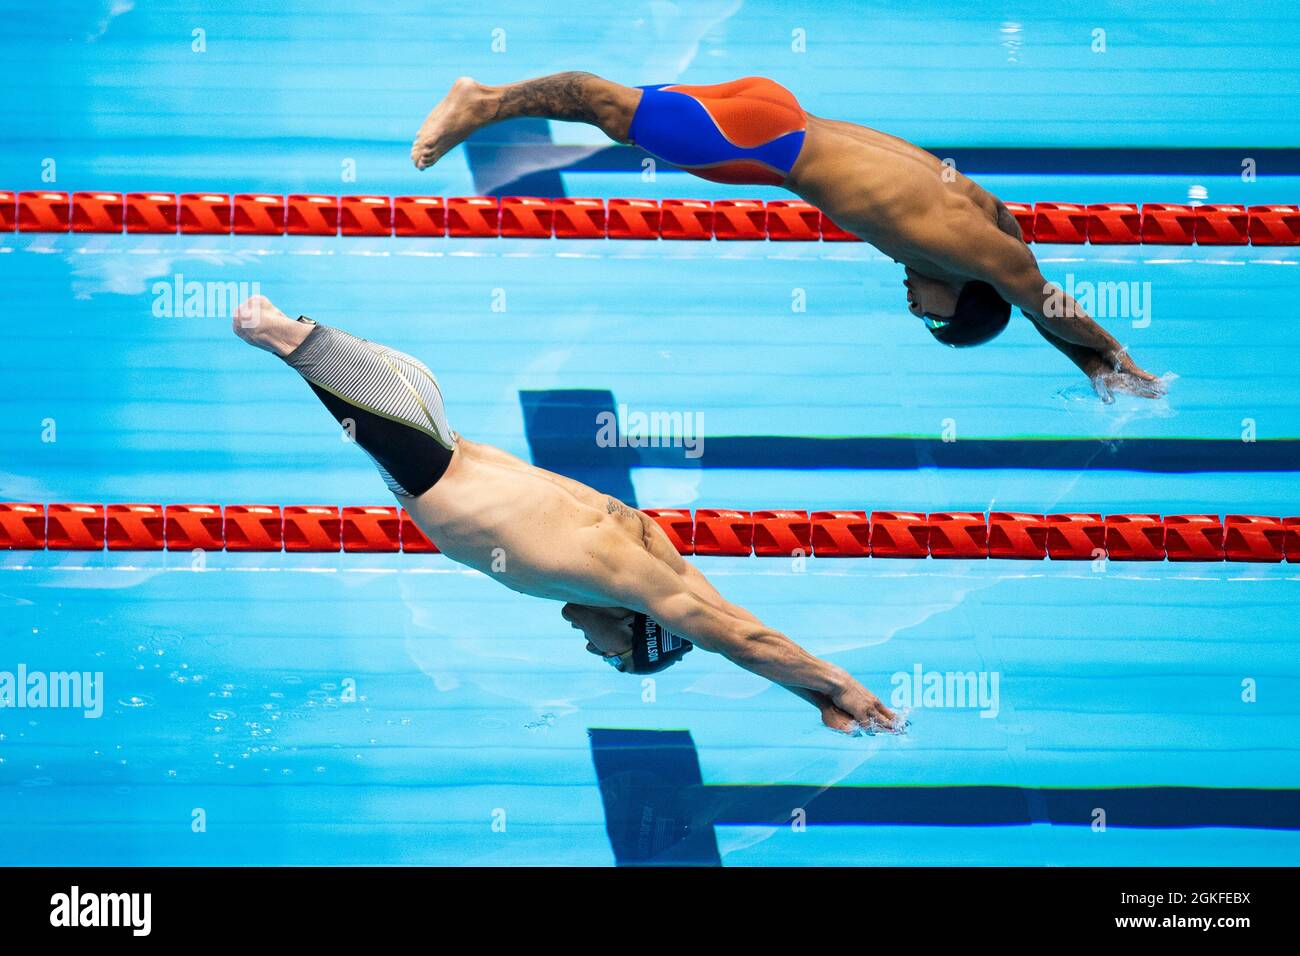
(747, 131)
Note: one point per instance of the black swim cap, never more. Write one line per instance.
(980, 315)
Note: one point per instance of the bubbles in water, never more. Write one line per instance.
(543, 722)
(1012, 40)
(136, 701)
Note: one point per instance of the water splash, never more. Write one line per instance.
(542, 722)
(1012, 40)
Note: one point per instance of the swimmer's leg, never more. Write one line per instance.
(574, 97)
(389, 402)
(746, 131)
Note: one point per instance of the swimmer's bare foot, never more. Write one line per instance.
(465, 108)
(260, 323)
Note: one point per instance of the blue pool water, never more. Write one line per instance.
(469, 741)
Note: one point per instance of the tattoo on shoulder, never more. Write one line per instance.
(1007, 221)
(615, 507)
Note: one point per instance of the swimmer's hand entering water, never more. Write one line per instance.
(1109, 371)
(1119, 373)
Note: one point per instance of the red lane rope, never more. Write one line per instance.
(528, 217)
(784, 533)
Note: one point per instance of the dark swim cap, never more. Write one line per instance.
(980, 315)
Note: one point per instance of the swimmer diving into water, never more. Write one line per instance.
(615, 568)
(965, 262)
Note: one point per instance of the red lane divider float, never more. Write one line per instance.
(530, 217)
(777, 532)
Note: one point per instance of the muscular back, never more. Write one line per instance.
(886, 190)
(533, 530)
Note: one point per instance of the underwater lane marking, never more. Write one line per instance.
(659, 811)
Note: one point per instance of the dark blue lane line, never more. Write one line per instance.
(646, 777)
(1166, 455)
(503, 149)
(561, 426)
(659, 811)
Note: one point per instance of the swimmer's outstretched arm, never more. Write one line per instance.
(1107, 375)
(678, 596)
(608, 632)
(983, 251)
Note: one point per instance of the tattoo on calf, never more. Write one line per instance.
(563, 96)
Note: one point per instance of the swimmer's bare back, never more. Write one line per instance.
(537, 532)
(885, 190)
